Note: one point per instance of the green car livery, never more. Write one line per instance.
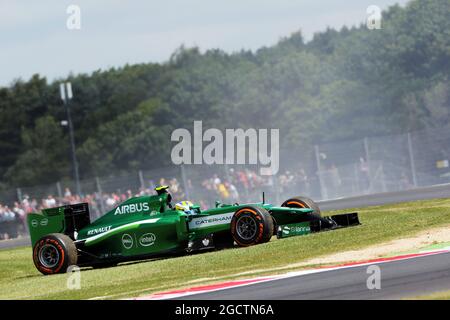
(149, 226)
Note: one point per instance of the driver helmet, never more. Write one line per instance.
(184, 206)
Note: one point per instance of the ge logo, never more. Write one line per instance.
(127, 241)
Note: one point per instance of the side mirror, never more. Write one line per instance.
(218, 203)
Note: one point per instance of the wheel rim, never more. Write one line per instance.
(246, 227)
(48, 256)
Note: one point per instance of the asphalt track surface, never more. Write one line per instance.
(439, 191)
(399, 279)
(14, 243)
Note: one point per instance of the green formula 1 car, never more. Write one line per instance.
(149, 226)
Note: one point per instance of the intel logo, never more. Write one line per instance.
(147, 239)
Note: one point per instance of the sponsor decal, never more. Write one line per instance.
(96, 237)
(98, 230)
(293, 230)
(204, 222)
(296, 229)
(44, 222)
(154, 213)
(147, 239)
(132, 208)
(34, 223)
(205, 242)
(127, 241)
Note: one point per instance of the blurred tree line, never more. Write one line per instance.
(340, 85)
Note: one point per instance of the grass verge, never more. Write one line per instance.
(444, 295)
(20, 280)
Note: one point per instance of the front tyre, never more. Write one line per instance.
(302, 202)
(54, 253)
(251, 225)
(315, 217)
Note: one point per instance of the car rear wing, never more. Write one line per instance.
(65, 219)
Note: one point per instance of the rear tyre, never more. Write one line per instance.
(54, 253)
(302, 202)
(251, 225)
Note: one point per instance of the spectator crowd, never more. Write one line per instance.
(243, 185)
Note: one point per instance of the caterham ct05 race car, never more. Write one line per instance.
(150, 226)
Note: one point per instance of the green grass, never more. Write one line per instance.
(20, 280)
(444, 295)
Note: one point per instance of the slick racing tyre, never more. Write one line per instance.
(54, 253)
(302, 202)
(317, 221)
(251, 225)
